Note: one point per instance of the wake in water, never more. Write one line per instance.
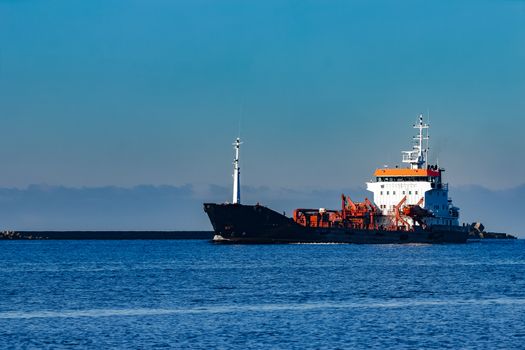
(94, 313)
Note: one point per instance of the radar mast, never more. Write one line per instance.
(417, 157)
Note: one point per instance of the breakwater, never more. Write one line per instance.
(103, 235)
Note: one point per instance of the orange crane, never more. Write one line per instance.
(397, 214)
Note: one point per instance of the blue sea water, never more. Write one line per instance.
(196, 295)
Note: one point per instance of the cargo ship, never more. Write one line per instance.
(410, 204)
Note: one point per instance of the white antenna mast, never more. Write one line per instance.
(427, 151)
(236, 173)
(417, 158)
(241, 110)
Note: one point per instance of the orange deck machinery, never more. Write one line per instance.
(360, 215)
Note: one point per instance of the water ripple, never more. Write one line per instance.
(250, 308)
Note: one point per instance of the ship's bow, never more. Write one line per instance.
(248, 223)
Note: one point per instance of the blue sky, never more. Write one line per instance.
(124, 93)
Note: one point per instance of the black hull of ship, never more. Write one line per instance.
(237, 223)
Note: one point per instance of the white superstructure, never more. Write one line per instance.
(418, 185)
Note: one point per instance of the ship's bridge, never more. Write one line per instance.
(401, 174)
(431, 175)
